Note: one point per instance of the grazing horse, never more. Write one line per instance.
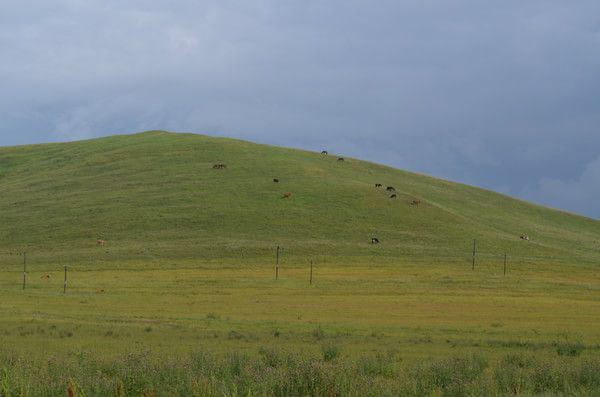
(275, 180)
(524, 237)
(324, 152)
(415, 202)
(390, 189)
(286, 195)
(378, 185)
(101, 243)
(340, 159)
(393, 195)
(46, 276)
(374, 240)
(219, 166)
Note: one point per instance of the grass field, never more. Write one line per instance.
(183, 298)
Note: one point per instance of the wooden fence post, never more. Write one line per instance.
(24, 269)
(277, 265)
(65, 283)
(311, 271)
(505, 263)
(474, 250)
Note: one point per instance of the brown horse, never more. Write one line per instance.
(415, 202)
(101, 242)
(286, 195)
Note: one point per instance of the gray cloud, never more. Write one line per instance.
(504, 96)
(579, 194)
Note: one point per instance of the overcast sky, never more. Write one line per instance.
(503, 95)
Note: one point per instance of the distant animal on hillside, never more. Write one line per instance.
(275, 180)
(324, 152)
(101, 243)
(100, 291)
(393, 195)
(46, 276)
(415, 202)
(340, 159)
(286, 195)
(219, 166)
(390, 189)
(378, 185)
(524, 237)
(374, 240)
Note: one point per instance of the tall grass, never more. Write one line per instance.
(276, 373)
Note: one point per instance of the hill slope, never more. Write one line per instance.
(156, 195)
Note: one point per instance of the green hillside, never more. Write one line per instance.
(156, 195)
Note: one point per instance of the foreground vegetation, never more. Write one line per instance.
(281, 374)
(186, 328)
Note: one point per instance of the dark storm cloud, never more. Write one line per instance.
(505, 95)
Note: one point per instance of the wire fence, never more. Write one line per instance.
(18, 271)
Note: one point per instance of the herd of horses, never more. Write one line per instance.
(287, 195)
(390, 189)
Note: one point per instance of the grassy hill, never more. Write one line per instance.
(183, 299)
(155, 195)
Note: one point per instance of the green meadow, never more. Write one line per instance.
(183, 298)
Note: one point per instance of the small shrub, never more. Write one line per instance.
(270, 357)
(235, 363)
(512, 373)
(318, 333)
(330, 352)
(455, 374)
(567, 348)
(67, 334)
(378, 365)
(213, 316)
(234, 335)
